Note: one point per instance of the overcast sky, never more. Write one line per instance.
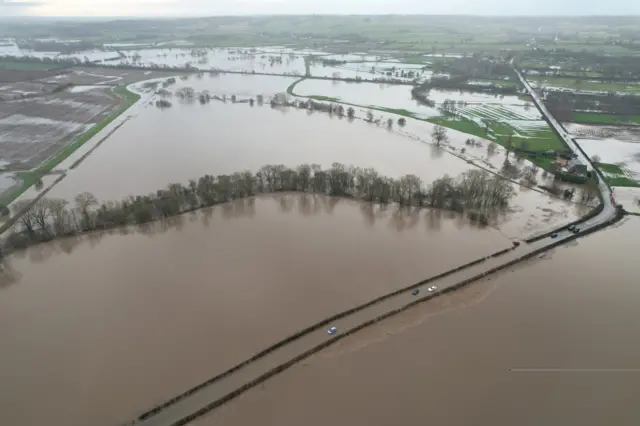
(249, 7)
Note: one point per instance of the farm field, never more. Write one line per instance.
(585, 85)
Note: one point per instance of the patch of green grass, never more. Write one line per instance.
(27, 65)
(29, 178)
(622, 181)
(616, 176)
(542, 140)
(324, 98)
(593, 117)
(397, 111)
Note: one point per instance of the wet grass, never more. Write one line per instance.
(324, 98)
(538, 140)
(616, 176)
(29, 178)
(598, 118)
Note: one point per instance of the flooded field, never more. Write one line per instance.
(238, 84)
(555, 339)
(190, 140)
(370, 70)
(596, 131)
(614, 151)
(523, 119)
(97, 329)
(32, 130)
(366, 94)
(226, 59)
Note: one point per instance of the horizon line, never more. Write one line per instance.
(543, 15)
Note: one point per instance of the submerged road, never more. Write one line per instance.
(215, 392)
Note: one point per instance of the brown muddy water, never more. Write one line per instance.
(188, 141)
(551, 342)
(97, 329)
(184, 142)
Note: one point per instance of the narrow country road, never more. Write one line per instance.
(607, 195)
(223, 388)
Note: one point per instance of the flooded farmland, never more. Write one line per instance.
(553, 341)
(108, 325)
(190, 140)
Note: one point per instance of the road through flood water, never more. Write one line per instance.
(106, 326)
(552, 341)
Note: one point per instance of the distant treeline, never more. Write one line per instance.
(476, 192)
(64, 48)
(611, 67)
(562, 104)
(61, 62)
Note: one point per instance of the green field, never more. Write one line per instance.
(29, 178)
(572, 83)
(26, 65)
(539, 140)
(593, 117)
(616, 176)
(324, 99)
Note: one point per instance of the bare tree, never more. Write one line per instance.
(84, 202)
(439, 134)
(370, 116)
(27, 216)
(351, 113)
(59, 215)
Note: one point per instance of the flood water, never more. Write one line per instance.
(398, 96)
(95, 330)
(366, 94)
(187, 141)
(553, 342)
(614, 151)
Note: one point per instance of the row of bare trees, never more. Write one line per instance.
(477, 192)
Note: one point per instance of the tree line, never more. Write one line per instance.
(476, 192)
